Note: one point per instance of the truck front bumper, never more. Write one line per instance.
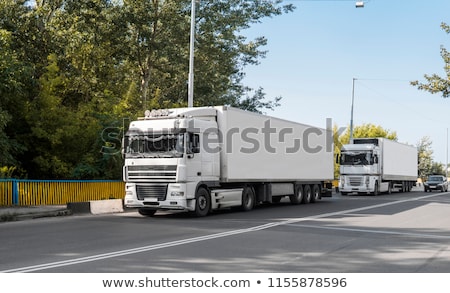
(358, 189)
(174, 199)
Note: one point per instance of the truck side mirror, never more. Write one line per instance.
(193, 145)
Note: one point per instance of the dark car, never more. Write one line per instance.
(436, 182)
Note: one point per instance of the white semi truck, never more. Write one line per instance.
(375, 165)
(207, 158)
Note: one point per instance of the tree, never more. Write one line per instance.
(425, 153)
(437, 169)
(366, 131)
(435, 83)
(71, 70)
(14, 76)
(158, 42)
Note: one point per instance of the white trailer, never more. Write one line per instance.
(374, 165)
(208, 158)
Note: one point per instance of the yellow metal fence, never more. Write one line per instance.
(57, 192)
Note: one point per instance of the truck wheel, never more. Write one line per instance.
(315, 193)
(344, 193)
(146, 212)
(376, 190)
(202, 202)
(248, 199)
(297, 198)
(307, 194)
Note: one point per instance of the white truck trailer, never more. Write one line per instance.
(208, 158)
(374, 165)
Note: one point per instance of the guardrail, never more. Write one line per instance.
(57, 192)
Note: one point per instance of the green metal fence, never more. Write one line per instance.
(57, 192)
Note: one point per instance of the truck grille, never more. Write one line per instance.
(155, 191)
(355, 181)
(155, 173)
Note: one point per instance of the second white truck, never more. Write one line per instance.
(375, 165)
(208, 158)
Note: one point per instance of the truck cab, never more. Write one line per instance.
(359, 168)
(166, 160)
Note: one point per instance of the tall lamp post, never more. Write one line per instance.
(446, 158)
(351, 114)
(191, 58)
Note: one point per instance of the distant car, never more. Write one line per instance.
(436, 182)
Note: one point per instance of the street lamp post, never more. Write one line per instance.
(446, 158)
(351, 114)
(191, 58)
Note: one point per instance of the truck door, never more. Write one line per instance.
(194, 158)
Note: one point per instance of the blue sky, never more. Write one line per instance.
(316, 51)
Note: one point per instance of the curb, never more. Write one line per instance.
(96, 207)
(18, 216)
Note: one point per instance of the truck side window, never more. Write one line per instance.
(193, 143)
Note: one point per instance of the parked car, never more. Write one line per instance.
(436, 182)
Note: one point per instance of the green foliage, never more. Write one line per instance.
(368, 130)
(14, 76)
(437, 169)
(7, 172)
(435, 83)
(425, 166)
(71, 71)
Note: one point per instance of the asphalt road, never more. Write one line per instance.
(402, 232)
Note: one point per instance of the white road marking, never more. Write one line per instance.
(97, 257)
(408, 234)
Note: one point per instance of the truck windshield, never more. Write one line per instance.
(356, 158)
(152, 145)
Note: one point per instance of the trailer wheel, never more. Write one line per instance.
(297, 198)
(248, 199)
(146, 212)
(402, 189)
(315, 193)
(202, 202)
(307, 194)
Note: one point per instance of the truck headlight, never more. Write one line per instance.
(177, 193)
